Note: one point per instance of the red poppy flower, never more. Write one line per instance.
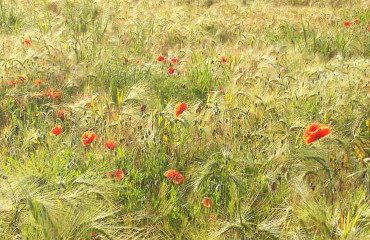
(356, 21)
(117, 174)
(174, 175)
(223, 59)
(180, 108)
(314, 132)
(56, 130)
(51, 93)
(56, 95)
(37, 82)
(347, 23)
(94, 236)
(26, 41)
(178, 179)
(62, 114)
(11, 83)
(170, 173)
(174, 60)
(171, 70)
(110, 144)
(161, 58)
(207, 202)
(88, 137)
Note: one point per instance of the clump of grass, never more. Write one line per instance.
(253, 75)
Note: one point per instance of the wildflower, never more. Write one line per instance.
(88, 137)
(174, 60)
(347, 23)
(110, 144)
(314, 132)
(207, 202)
(26, 41)
(356, 21)
(61, 114)
(174, 175)
(37, 82)
(51, 93)
(161, 58)
(171, 70)
(11, 83)
(223, 59)
(180, 108)
(56, 95)
(117, 174)
(94, 236)
(56, 130)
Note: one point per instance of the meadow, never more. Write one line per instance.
(179, 119)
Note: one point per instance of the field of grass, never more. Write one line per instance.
(99, 99)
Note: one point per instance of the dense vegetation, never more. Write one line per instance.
(178, 119)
